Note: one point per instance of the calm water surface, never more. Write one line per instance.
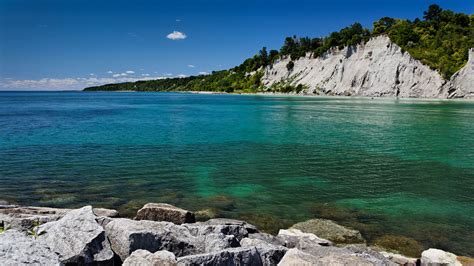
(385, 166)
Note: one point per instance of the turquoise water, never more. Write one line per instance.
(384, 166)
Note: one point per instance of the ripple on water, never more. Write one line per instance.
(385, 167)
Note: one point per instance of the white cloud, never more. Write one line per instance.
(91, 74)
(176, 35)
(191, 66)
(181, 76)
(178, 20)
(130, 72)
(145, 75)
(203, 73)
(168, 74)
(110, 72)
(123, 74)
(116, 75)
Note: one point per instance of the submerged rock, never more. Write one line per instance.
(220, 202)
(434, 256)
(466, 261)
(206, 214)
(77, 238)
(165, 212)
(231, 256)
(400, 244)
(144, 257)
(269, 254)
(330, 230)
(266, 222)
(17, 248)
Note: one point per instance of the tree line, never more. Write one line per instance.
(440, 39)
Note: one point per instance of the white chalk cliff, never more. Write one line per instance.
(378, 68)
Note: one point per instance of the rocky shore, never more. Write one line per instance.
(162, 234)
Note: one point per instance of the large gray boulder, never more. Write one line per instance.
(165, 212)
(269, 254)
(292, 238)
(331, 256)
(146, 258)
(17, 248)
(330, 230)
(230, 257)
(239, 229)
(433, 256)
(295, 257)
(215, 242)
(127, 235)
(77, 238)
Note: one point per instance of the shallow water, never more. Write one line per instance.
(384, 166)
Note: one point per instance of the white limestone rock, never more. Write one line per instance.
(378, 68)
(434, 257)
(461, 84)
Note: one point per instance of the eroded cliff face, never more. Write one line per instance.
(378, 68)
(461, 84)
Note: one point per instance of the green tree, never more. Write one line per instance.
(433, 13)
(383, 25)
(263, 56)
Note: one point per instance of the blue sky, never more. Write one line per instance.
(58, 44)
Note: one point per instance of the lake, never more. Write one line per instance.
(383, 166)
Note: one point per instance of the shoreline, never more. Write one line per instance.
(281, 94)
(320, 236)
